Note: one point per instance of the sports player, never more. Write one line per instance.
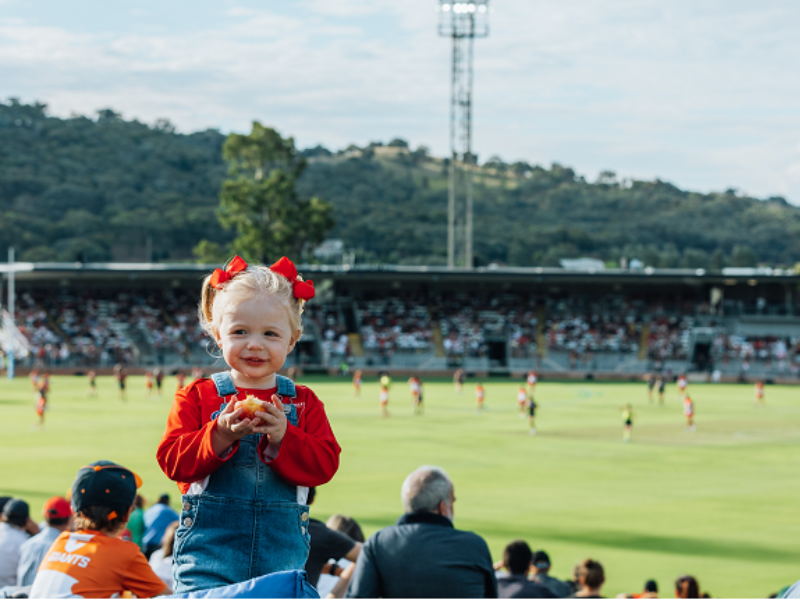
(357, 383)
(121, 375)
(532, 416)
(627, 419)
(479, 396)
(651, 382)
(522, 401)
(530, 382)
(688, 412)
(148, 383)
(662, 384)
(384, 399)
(682, 384)
(41, 407)
(458, 380)
(181, 377)
(159, 377)
(759, 394)
(92, 392)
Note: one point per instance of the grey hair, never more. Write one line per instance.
(425, 488)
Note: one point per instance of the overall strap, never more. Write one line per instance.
(286, 388)
(224, 383)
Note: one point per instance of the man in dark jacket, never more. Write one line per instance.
(424, 556)
(517, 560)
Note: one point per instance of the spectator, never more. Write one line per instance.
(517, 561)
(327, 544)
(650, 590)
(161, 559)
(590, 578)
(16, 528)
(335, 584)
(58, 518)
(91, 562)
(687, 586)
(424, 555)
(156, 520)
(136, 522)
(541, 574)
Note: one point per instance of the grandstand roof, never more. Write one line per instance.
(119, 272)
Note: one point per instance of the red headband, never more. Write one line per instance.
(302, 290)
(218, 277)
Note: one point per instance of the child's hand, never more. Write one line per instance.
(274, 421)
(231, 427)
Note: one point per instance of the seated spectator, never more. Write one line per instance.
(590, 579)
(517, 561)
(92, 562)
(16, 528)
(334, 585)
(58, 518)
(424, 556)
(161, 559)
(687, 586)
(136, 522)
(327, 544)
(541, 574)
(156, 520)
(650, 590)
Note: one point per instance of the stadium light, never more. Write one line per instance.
(462, 22)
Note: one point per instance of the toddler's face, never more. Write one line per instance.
(255, 337)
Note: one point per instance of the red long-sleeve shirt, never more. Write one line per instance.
(308, 455)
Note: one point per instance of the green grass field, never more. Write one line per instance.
(719, 503)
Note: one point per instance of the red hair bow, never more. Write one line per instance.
(302, 290)
(218, 277)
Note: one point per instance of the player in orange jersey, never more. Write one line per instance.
(480, 396)
(41, 407)
(759, 394)
(688, 412)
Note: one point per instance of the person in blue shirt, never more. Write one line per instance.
(58, 516)
(156, 520)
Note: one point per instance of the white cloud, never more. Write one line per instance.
(700, 93)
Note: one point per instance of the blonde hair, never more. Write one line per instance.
(255, 281)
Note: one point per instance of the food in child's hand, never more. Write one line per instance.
(249, 406)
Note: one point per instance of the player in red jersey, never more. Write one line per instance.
(522, 401)
(41, 407)
(181, 377)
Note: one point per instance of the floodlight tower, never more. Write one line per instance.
(462, 21)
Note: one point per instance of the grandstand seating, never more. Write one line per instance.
(480, 331)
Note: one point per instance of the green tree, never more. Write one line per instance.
(259, 198)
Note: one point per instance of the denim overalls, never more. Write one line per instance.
(246, 522)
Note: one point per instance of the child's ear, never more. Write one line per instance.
(295, 339)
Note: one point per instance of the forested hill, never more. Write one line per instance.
(109, 189)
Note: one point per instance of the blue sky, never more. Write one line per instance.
(702, 93)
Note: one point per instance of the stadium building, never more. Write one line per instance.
(565, 322)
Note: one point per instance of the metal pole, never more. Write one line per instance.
(10, 326)
(468, 153)
(451, 198)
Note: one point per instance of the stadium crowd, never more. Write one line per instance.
(90, 329)
(445, 561)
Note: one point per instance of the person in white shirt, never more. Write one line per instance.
(16, 527)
